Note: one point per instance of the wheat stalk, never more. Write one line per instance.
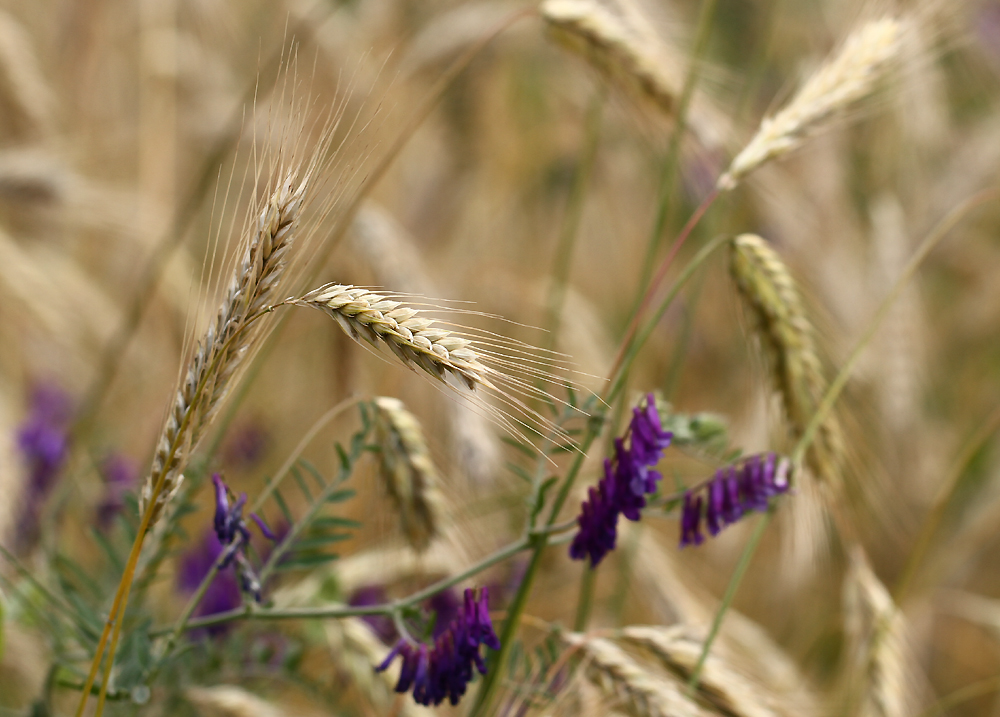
(843, 80)
(786, 334)
(640, 691)
(626, 48)
(410, 477)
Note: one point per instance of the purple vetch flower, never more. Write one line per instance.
(444, 669)
(232, 533)
(119, 475)
(223, 593)
(734, 491)
(628, 479)
(43, 441)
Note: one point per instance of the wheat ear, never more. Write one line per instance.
(218, 356)
(881, 660)
(627, 50)
(393, 256)
(843, 80)
(786, 334)
(226, 343)
(410, 477)
(732, 691)
(641, 692)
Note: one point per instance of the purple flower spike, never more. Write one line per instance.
(628, 479)
(732, 493)
(444, 670)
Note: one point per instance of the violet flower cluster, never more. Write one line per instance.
(43, 441)
(233, 534)
(444, 669)
(732, 493)
(628, 479)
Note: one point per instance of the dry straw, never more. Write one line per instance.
(625, 47)
(410, 477)
(227, 342)
(842, 81)
(786, 335)
(636, 688)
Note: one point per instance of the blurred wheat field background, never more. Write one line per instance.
(723, 266)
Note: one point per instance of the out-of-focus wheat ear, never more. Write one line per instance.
(880, 669)
(230, 701)
(355, 648)
(227, 342)
(627, 49)
(731, 690)
(411, 480)
(842, 81)
(25, 97)
(781, 324)
(635, 688)
(393, 257)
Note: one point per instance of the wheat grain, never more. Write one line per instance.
(410, 477)
(786, 334)
(843, 80)
(626, 48)
(227, 342)
(640, 691)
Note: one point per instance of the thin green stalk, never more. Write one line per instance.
(942, 500)
(727, 598)
(585, 602)
(835, 388)
(251, 611)
(668, 176)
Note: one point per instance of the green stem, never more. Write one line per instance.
(671, 161)
(586, 600)
(727, 599)
(251, 611)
